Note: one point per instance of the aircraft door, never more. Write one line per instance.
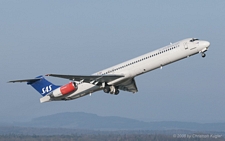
(185, 45)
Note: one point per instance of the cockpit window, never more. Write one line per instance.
(194, 39)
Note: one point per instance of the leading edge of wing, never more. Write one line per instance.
(88, 78)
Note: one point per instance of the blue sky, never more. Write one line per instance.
(83, 37)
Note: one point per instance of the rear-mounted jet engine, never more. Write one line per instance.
(64, 90)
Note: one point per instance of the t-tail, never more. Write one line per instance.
(49, 91)
(40, 84)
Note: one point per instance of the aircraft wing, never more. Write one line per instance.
(88, 78)
(129, 85)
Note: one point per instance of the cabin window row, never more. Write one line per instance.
(155, 54)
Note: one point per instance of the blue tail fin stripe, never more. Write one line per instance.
(43, 86)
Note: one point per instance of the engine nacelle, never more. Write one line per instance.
(64, 90)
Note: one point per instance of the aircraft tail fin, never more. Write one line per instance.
(40, 84)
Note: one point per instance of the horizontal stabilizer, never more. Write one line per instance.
(25, 80)
(40, 84)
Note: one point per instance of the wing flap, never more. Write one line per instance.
(129, 85)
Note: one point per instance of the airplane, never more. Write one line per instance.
(118, 77)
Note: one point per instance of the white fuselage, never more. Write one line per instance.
(145, 63)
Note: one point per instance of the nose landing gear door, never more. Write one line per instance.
(185, 45)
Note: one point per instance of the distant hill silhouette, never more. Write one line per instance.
(80, 120)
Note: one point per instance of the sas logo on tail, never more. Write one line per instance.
(46, 89)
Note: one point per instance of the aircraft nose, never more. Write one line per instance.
(206, 44)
